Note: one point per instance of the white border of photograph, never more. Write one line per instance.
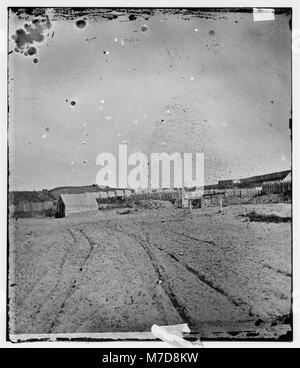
(3, 162)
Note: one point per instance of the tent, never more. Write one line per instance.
(76, 203)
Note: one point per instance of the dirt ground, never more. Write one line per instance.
(223, 274)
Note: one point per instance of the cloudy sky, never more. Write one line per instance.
(167, 81)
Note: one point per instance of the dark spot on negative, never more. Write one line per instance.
(35, 60)
(259, 322)
(73, 103)
(20, 38)
(81, 23)
(25, 38)
(31, 50)
(211, 32)
(144, 28)
(132, 17)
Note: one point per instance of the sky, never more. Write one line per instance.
(167, 81)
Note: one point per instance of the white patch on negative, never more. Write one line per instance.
(263, 14)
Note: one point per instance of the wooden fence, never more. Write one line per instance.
(171, 196)
(273, 188)
(31, 207)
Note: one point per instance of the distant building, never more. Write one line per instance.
(260, 180)
(253, 181)
(189, 194)
(288, 178)
(225, 183)
(31, 204)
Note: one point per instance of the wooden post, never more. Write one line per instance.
(220, 204)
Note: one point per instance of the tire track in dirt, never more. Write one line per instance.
(60, 269)
(166, 286)
(204, 279)
(277, 270)
(192, 238)
(76, 280)
(200, 276)
(35, 300)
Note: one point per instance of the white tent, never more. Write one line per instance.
(76, 203)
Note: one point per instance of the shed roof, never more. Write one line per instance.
(119, 193)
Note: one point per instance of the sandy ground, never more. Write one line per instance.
(219, 272)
